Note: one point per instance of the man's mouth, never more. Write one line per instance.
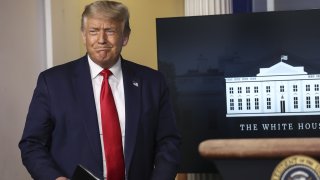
(102, 49)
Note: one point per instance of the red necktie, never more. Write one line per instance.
(112, 138)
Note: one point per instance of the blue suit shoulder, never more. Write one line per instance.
(66, 68)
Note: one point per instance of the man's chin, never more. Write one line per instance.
(102, 54)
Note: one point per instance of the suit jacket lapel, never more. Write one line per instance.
(85, 100)
(84, 93)
(132, 92)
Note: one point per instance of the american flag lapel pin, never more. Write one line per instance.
(136, 84)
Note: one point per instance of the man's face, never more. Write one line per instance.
(104, 39)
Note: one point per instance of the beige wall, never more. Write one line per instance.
(142, 45)
(22, 57)
(142, 49)
(65, 30)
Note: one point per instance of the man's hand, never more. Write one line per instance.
(61, 178)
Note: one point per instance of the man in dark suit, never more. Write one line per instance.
(64, 126)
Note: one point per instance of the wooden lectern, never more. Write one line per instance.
(252, 159)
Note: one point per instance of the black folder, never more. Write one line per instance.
(81, 173)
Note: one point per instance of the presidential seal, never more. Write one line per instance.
(298, 167)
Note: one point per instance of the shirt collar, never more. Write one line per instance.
(95, 69)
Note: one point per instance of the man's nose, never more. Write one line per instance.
(102, 37)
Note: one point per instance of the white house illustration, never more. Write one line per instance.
(280, 90)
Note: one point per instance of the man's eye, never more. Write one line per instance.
(110, 32)
(93, 32)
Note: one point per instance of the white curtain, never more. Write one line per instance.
(207, 7)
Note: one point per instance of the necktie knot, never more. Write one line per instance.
(105, 73)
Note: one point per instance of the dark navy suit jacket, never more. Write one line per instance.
(62, 130)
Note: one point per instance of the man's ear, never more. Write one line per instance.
(125, 39)
(83, 35)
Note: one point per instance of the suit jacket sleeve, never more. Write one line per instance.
(36, 137)
(167, 157)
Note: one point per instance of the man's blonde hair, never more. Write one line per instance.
(107, 9)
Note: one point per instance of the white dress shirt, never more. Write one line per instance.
(116, 84)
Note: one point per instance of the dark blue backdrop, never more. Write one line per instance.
(197, 53)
